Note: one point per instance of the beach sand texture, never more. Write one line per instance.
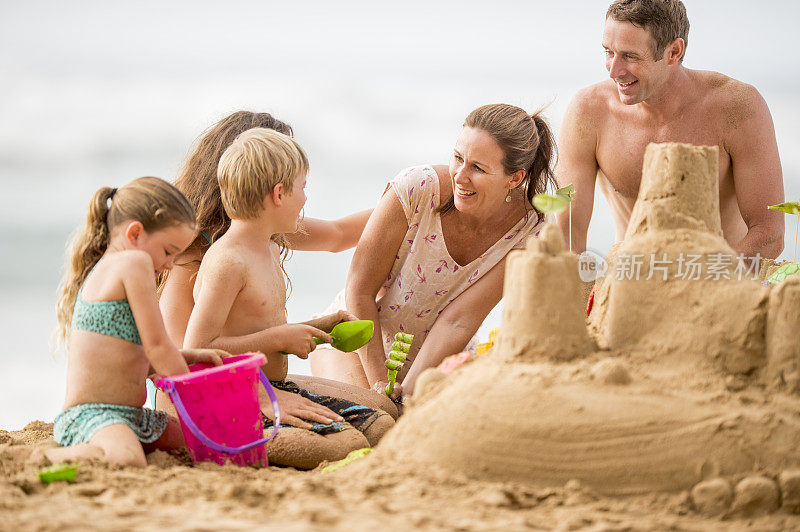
(676, 407)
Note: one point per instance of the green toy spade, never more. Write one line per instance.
(350, 335)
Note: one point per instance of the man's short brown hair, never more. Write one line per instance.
(666, 20)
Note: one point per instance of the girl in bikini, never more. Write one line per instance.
(108, 317)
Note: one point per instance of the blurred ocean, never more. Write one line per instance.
(97, 93)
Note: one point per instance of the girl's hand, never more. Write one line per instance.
(207, 356)
(380, 387)
(298, 338)
(295, 408)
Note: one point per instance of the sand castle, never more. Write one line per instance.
(683, 379)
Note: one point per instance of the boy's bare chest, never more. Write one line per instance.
(262, 301)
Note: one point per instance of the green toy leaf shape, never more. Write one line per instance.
(787, 270)
(566, 192)
(790, 207)
(549, 204)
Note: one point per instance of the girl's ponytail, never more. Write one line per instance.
(149, 200)
(85, 250)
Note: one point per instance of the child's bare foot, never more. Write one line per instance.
(38, 455)
(54, 454)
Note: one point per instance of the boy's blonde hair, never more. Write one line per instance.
(253, 165)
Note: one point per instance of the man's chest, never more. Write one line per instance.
(621, 147)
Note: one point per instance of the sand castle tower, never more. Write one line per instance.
(674, 286)
(542, 316)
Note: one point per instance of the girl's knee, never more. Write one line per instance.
(378, 428)
(171, 438)
(126, 457)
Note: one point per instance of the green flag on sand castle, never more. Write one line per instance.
(790, 207)
(555, 204)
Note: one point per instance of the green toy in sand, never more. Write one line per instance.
(792, 268)
(65, 472)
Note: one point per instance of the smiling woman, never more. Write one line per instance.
(431, 259)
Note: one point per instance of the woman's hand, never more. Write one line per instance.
(204, 356)
(295, 408)
(298, 338)
(380, 387)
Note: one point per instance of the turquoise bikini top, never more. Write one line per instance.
(112, 318)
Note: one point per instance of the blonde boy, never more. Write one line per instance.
(240, 293)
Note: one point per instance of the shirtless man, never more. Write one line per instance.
(652, 97)
(240, 297)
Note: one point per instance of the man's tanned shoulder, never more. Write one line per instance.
(590, 107)
(732, 100)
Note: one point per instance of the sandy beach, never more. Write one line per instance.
(375, 493)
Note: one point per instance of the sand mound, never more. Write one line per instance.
(690, 382)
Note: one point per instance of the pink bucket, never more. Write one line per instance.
(219, 412)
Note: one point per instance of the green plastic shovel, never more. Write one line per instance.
(350, 335)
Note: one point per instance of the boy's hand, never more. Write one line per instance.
(207, 356)
(295, 409)
(329, 321)
(380, 387)
(298, 338)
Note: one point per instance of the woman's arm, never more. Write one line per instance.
(176, 301)
(457, 324)
(369, 268)
(329, 235)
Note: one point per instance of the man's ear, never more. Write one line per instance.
(133, 231)
(675, 51)
(278, 194)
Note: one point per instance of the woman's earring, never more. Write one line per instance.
(508, 196)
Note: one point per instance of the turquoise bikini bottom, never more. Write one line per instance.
(78, 424)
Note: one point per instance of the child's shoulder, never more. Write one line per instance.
(125, 266)
(223, 256)
(132, 261)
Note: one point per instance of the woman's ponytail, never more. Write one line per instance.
(540, 172)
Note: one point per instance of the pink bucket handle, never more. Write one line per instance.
(169, 387)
